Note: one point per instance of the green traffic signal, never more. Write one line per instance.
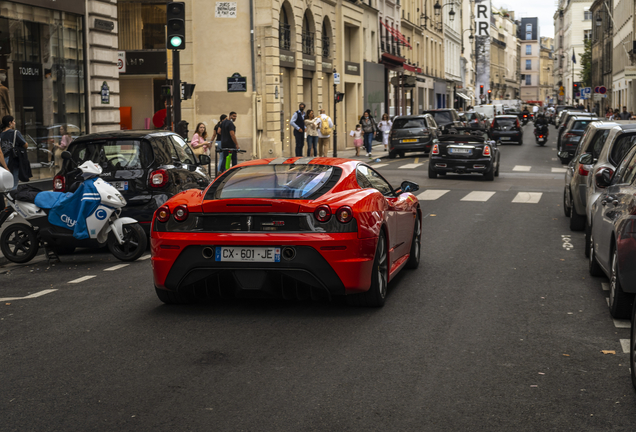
(176, 41)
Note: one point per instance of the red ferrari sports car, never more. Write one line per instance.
(302, 228)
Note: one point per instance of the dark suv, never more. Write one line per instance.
(412, 134)
(445, 117)
(506, 128)
(146, 167)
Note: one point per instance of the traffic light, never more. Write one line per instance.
(176, 26)
(489, 95)
(339, 97)
(481, 89)
(575, 88)
(187, 90)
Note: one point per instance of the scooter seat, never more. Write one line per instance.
(26, 193)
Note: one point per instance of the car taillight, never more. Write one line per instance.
(583, 171)
(181, 213)
(525, 116)
(163, 214)
(567, 136)
(158, 178)
(492, 125)
(435, 150)
(518, 125)
(322, 213)
(59, 183)
(486, 151)
(344, 214)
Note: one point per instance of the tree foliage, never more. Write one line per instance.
(586, 64)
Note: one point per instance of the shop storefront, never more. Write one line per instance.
(42, 74)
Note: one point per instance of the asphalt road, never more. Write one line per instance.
(500, 329)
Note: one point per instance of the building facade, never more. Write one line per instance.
(602, 44)
(504, 57)
(452, 52)
(530, 59)
(546, 78)
(622, 89)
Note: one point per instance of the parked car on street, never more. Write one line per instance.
(289, 227)
(506, 128)
(412, 134)
(476, 120)
(445, 118)
(557, 113)
(572, 134)
(463, 154)
(565, 118)
(613, 234)
(576, 176)
(146, 167)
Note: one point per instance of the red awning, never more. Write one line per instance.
(396, 34)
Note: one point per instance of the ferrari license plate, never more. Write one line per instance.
(120, 185)
(409, 140)
(247, 254)
(505, 138)
(460, 150)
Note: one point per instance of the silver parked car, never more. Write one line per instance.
(575, 189)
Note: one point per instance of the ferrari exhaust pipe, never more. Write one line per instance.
(207, 252)
(289, 253)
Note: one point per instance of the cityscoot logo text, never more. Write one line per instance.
(68, 221)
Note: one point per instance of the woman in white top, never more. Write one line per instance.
(385, 127)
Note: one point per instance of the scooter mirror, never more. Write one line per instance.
(66, 155)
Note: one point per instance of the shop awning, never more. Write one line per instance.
(396, 34)
(463, 96)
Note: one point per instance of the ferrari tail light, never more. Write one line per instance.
(322, 213)
(344, 214)
(486, 151)
(181, 213)
(158, 178)
(435, 150)
(163, 214)
(59, 183)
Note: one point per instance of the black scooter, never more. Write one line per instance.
(541, 134)
(524, 119)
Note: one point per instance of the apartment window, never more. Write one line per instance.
(528, 64)
(587, 15)
(528, 49)
(141, 26)
(528, 35)
(284, 31)
(587, 34)
(528, 79)
(528, 27)
(307, 37)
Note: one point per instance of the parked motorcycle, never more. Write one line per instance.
(63, 221)
(541, 134)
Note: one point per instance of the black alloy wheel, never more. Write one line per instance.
(376, 295)
(566, 209)
(416, 245)
(133, 246)
(19, 243)
(593, 266)
(490, 174)
(620, 302)
(431, 172)
(577, 222)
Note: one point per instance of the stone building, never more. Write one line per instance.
(601, 54)
(546, 79)
(530, 59)
(504, 56)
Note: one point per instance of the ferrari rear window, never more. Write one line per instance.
(275, 181)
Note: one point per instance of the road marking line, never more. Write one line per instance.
(82, 279)
(553, 148)
(555, 159)
(559, 170)
(527, 197)
(625, 345)
(432, 194)
(416, 160)
(620, 323)
(478, 196)
(410, 166)
(380, 165)
(145, 257)
(605, 286)
(524, 168)
(37, 294)
(117, 267)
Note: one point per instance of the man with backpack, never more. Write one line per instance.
(325, 128)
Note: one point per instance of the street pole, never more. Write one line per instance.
(335, 129)
(176, 88)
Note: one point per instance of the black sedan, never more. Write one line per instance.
(506, 128)
(464, 154)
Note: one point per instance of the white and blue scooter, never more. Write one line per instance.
(20, 242)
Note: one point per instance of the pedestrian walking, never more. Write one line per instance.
(61, 146)
(311, 128)
(198, 142)
(325, 129)
(369, 128)
(14, 148)
(298, 123)
(625, 115)
(357, 135)
(228, 141)
(385, 127)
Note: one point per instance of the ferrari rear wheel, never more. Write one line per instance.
(376, 294)
(416, 245)
(171, 297)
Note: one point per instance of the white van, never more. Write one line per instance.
(489, 110)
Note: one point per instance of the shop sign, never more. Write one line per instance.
(105, 93)
(104, 25)
(236, 83)
(143, 62)
(121, 61)
(28, 71)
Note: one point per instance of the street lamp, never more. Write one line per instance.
(451, 14)
(438, 8)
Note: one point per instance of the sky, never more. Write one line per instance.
(544, 9)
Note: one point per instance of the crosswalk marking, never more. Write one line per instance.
(380, 165)
(432, 194)
(621, 323)
(527, 197)
(625, 345)
(478, 196)
(34, 295)
(117, 267)
(559, 170)
(523, 168)
(411, 166)
(82, 279)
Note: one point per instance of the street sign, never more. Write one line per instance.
(121, 61)
(596, 89)
(482, 96)
(602, 90)
(598, 96)
(336, 78)
(586, 92)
